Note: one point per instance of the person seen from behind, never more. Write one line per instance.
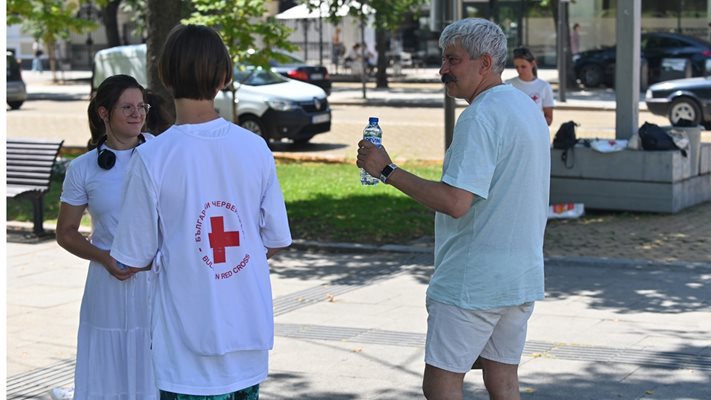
(113, 345)
(491, 209)
(203, 202)
(528, 82)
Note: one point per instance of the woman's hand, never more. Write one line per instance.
(116, 271)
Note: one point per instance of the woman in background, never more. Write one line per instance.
(528, 82)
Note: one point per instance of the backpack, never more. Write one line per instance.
(565, 140)
(653, 137)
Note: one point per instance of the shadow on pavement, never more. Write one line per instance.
(288, 147)
(349, 269)
(27, 237)
(631, 289)
(601, 381)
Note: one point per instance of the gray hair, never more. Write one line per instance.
(478, 37)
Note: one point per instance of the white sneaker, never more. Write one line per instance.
(61, 394)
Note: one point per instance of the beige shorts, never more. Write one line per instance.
(456, 336)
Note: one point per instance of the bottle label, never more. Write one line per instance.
(374, 139)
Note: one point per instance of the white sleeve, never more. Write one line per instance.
(136, 241)
(73, 188)
(274, 223)
(547, 100)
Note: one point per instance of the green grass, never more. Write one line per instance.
(325, 202)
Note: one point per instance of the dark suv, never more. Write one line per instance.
(16, 90)
(597, 67)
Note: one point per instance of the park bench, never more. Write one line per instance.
(30, 166)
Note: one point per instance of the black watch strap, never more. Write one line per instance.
(386, 172)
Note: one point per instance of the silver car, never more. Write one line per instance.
(16, 90)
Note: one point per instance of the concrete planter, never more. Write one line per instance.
(630, 180)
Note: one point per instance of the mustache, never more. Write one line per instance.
(448, 78)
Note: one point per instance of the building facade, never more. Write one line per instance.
(528, 23)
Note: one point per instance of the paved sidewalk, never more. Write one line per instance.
(627, 314)
(351, 325)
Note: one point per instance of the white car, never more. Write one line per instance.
(268, 104)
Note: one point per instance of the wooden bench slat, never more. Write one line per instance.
(21, 163)
(42, 166)
(46, 177)
(33, 185)
(20, 154)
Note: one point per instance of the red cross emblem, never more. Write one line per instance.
(219, 239)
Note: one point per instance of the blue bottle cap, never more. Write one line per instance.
(373, 120)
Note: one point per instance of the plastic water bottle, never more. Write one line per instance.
(373, 134)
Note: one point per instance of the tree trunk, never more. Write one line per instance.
(50, 45)
(570, 70)
(111, 23)
(381, 47)
(162, 16)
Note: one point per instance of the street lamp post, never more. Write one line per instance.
(87, 12)
(562, 49)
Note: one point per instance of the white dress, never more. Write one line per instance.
(113, 346)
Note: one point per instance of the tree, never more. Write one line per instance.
(49, 21)
(250, 38)
(137, 9)
(388, 17)
(570, 73)
(161, 17)
(108, 11)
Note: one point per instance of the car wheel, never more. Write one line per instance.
(15, 104)
(252, 123)
(303, 140)
(684, 108)
(591, 75)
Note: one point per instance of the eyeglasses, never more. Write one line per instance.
(130, 109)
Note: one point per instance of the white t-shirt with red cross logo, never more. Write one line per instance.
(203, 202)
(538, 90)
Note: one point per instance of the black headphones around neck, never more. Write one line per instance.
(107, 158)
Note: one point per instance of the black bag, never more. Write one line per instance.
(565, 140)
(653, 137)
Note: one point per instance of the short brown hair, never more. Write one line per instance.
(194, 63)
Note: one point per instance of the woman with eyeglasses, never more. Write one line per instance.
(113, 353)
(528, 82)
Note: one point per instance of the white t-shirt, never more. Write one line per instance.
(99, 189)
(493, 255)
(538, 90)
(205, 202)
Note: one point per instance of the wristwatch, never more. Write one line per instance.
(386, 172)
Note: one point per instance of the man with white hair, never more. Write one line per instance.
(491, 209)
